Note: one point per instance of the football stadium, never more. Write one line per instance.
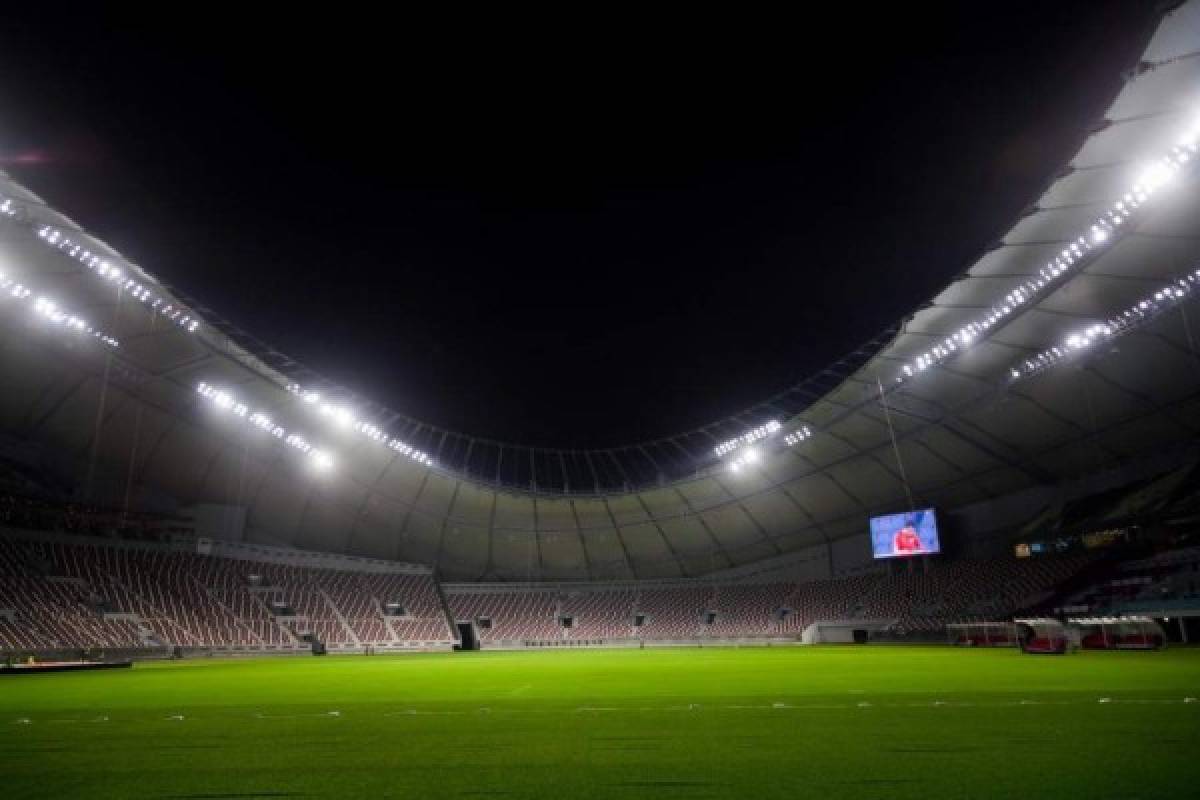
(961, 560)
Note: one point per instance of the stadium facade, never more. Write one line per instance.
(1062, 361)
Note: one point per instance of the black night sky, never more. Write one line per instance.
(573, 232)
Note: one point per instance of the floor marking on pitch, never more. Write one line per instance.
(318, 714)
(690, 707)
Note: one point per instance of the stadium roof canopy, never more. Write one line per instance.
(1055, 354)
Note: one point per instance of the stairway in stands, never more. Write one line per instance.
(437, 585)
(339, 616)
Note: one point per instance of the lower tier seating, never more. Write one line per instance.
(65, 593)
(117, 595)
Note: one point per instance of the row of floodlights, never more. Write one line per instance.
(49, 310)
(1075, 343)
(1137, 314)
(102, 267)
(345, 418)
(797, 436)
(1098, 234)
(748, 454)
(225, 400)
(750, 437)
(107, 270)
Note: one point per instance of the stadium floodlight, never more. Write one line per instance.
(299, 442)
(345, 418)
(747, 454)
(340, 414)
(102, 267)
(54, 238)
(320, 459)
(797, 436)
(1151, 178)
(226, 401)
(1154, 176)
(757, 434)
(1136, 315)
(48, 309)
(745, 457)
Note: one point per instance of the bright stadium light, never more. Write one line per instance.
(747, 454)
(299, 442)
(103, 268)
(745, 457)
(48, 309)
(226, 401)
(797, 436)
(757, 434)
(345, 418)
(1154, 177)
(340, 414)
(1136, 315)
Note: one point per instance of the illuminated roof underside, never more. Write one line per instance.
(1090, 366)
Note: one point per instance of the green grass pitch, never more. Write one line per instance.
(822, 722)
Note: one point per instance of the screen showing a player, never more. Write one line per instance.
(906, 541)
(909, 534)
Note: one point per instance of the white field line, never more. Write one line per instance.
(692, 707)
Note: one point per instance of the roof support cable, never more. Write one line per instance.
(887, 415)
(100, 405)
(1187, 330)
